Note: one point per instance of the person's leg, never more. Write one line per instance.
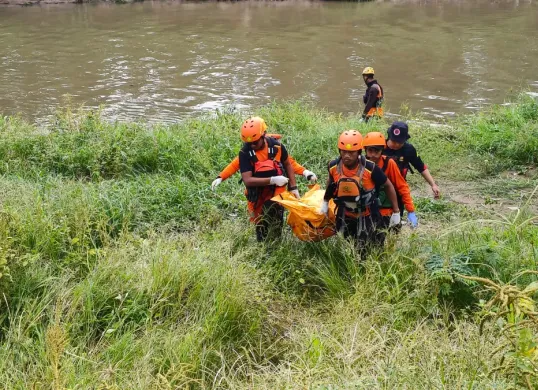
(273, 220)
(340, 220)
(379, 231)
(364, 237)
(261, 231)
(349, 228)
(373, 234)
(256, 217)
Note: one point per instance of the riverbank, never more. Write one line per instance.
(47, 2)
(25, 3)
(120, 268)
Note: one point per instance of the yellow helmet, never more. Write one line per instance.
(368, 70)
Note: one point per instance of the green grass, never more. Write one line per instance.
(120, 269)
(509, 134)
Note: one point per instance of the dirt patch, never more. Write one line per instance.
(502, 195)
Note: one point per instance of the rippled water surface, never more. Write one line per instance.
(160, 61)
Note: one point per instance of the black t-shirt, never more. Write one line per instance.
(378, 176)
(404, 156)
(245, 164)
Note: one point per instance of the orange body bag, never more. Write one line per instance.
(304, 216)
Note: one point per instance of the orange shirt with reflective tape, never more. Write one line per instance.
(400, 185)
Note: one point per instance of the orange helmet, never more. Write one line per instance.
(253, 129)
(373, 139)
(350, 140)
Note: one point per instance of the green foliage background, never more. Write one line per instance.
(120, 268)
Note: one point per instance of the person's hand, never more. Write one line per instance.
(311, 176)
(215, 183)
(436, 191)
(395, 220)
(412, 218)
(278, 180)
(324, 208)
(296, 193)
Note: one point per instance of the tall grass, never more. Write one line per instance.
(119, 268)
(507, 134)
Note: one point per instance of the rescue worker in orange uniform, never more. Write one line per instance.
(233, 167)
(374, 144)
(354, 183)
(373, 98)
(405, 155)
(265, 171)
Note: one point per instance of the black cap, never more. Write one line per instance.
(398, 132)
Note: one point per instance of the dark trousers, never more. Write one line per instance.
(271, 222)
(371, 235)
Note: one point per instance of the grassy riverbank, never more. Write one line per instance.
(120, 269)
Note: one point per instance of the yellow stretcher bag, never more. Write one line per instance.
(304, 216)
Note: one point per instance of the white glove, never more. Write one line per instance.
(309, 175)
(395, 220)
(279, 180)
(324, 208)
(215, 183)
(296, 193)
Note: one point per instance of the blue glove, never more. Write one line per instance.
(412, 218)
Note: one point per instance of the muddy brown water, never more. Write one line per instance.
(160, 61)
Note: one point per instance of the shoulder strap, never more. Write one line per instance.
(369, 165)
(385, 164)
(362, 166)
(334, 163)
(272, 147)
(338, 164)
(250, 153)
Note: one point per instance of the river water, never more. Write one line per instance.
(161, 61)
